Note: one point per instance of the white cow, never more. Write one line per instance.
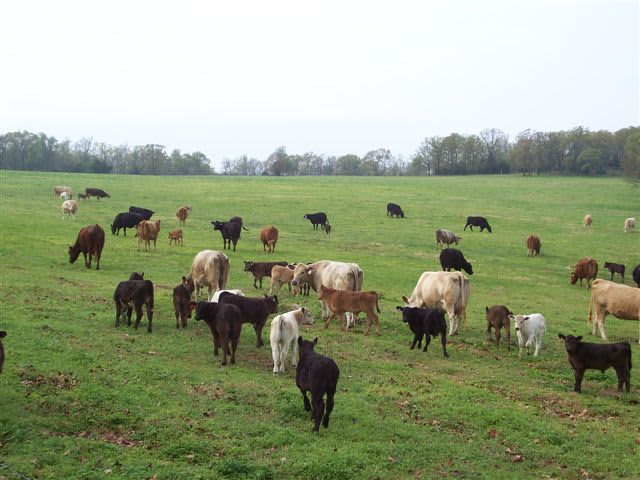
(69, 208)
(65, 196)
(530, 329)
(629, 224)
(338, 275)
(285, 330)
(621, 301)
(216, 296)
(210, 269)
(447, 290)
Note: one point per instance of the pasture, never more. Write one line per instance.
(80, 398)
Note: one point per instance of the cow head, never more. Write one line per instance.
(303, 315)
(113, 229)
(271, 302)
(302, 274)
(466, 266)
(137, 276)
(405, 311)
(248, 266)
(217, 225)
(407, 301)
(74, 252)
(489, 228)
(574, 278)
(519, 321)
(570, 342)
(306, 346)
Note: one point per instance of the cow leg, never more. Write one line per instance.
(97, 261)
(453, 324)
(622, 377)
(118, 311)
(234, 347)
(328, 321)
(258, 329)
(85, 260)
(366, 330)
(325, 420)
(294, 356)
(261, 283)
(318, 410)
(149, 317)
(234, 245)
(498, 338)
(443, 340)
(225, 347)
(579, 373)
(427, 341)
(177, 322)
(275, 353)
(138, 308)
(416, 337)
(211, 292)
(284, 350)
(489, 339)
(508, 337)
(305, 399)
(538, 345)
(129, 313)
(216, 342)
(184, 319)
(600, 322)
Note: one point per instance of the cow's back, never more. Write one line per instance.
(338, 275)
(621, 301)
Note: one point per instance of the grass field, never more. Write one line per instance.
(82, 399)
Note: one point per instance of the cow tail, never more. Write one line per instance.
(629, 358)
(590, 316)
(377, 306)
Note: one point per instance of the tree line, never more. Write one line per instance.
(575, 152)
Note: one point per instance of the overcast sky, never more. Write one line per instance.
(234, 77)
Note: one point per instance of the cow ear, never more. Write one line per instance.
(579, 339)
(275, 298)
(486, 309)
(512, 317)
(406, 300)
(398, 307)
(315, 341)
(295, 306)
(561, 336)
(525, 318)
(309, 270)
(184, 279)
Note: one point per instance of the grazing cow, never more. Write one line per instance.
(125, 220)
(318, 375)
(138, 293)
(533, 245)
(65, 196)
(394, 209)
(96, 192)
(269, 238)
(587, 220)
(615, 268)
(225, 324)
(629, 224)
(446, 237)
(90, 240)
(595, 356)
(230, 232)
(327, 228)
(338, 275)
(261, 270)
(146, 231)
(238, 220)
(316, 219)
(145, 212)
(636, 275)
(339, 302)
(498, 317)
(182, 302)
(285, 330)
(425, 321)
(182, 213)
(453, 258)
(176, 236)
(530, 329)
(587, 268)
(210, 269)
(254, 310)
(69, 208)
(477, 222)
(621, 301)
(2, 335)
(447, 290)
(216, 296)
(82, 196)
(61, 188)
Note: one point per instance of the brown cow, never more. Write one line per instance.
(269, 237)
(587, 220)
(146, 231)
(62, 188)
(498, 317)
(587, 268)
(340, 302)
(90, 240)
(182, 214)
(533, 245)
(176, 236)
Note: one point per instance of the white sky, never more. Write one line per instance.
(335, 77)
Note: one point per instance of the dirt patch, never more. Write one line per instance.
(60, 381)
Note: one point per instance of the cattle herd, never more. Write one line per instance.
(339, 288)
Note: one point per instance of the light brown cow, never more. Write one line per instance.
(69, 208)
(587, 220)
(621, 301)
(210, 269)
(176, 236)
(587, 268)
(282, 275)
(533, 245)
(182, 214)
(61, 188)
(146, 231)
(339, 302)
(269, 238)
(629, 224)
(446, 237)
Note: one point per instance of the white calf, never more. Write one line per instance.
(629, 224)
(285, 330)
(216, 296)
(64, 196)
(530, 329)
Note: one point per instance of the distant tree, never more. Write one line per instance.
(496, 144)
(349, 164)
(279, 163)
(631, 156)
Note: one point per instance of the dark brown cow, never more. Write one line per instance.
(182, 302)
(269, 238)
(138, 293)
(340, 302)
(182, 213)
(90, 240)
(254, 310)
(261, 270)
(96, 192)
(498, 317)
(225, 324)
(533, 245)
(587, 268)
(615, 268)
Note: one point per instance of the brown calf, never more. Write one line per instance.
(146, 231)
(269, 238)
(533, 245)
(176, 236)
(340, 302)
(182, 214)
(587, 268)
(498, 317)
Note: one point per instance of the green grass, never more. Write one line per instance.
(82, 399)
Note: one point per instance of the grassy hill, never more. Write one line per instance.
(82, 399)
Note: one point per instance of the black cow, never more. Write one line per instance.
(182, 302)
(597, 356)
(125, 220)
(138, 293)
(425, 321)
(238, 220)
(615, 268)
(636, 275)
(393, 209)
(225, 324)
(261, 270)
(453, 258)
(96, 192)
(230, 232)
(477, 222)
(254, 310)
(316, 219)
(146, 213)
(318, 375)
(2, 335)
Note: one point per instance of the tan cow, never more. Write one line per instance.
(587, 220)
(339, 302)
(629, 224)
(621, 301)
(69, 208)
(447, 290)
(210, 269)
(61, 188)
(146, 231)
(269, 238)
(176, 236)
(446, 237)
(280, 276)
(182, 214)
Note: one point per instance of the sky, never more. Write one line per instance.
(229, 78)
